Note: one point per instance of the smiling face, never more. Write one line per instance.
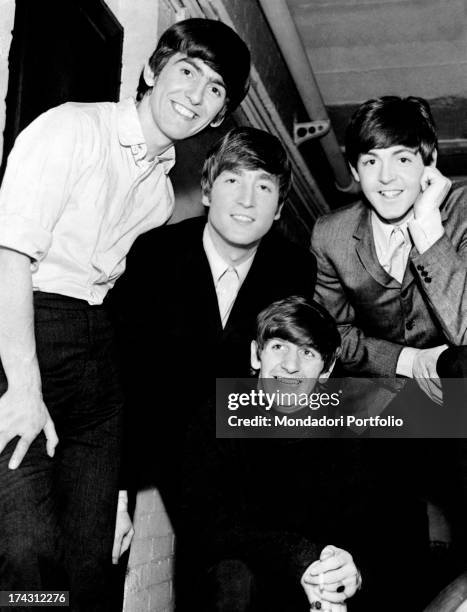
(391, 181)
(242, 207)
(287, 368)
(186, 97)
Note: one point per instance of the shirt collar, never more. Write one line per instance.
(382, 231)
(217, 264)
(131, 135)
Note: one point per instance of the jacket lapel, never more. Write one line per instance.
(366, 251)
(199, 290)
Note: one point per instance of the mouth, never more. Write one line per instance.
(288, 381)
(390, 194)
(183, 111)
(242, 218)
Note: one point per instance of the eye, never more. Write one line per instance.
(405, 160)
(217, 91)
(277, 346)
(368, 161)
(265, 187)
(231, 180)
(308, 353)
(186, 71)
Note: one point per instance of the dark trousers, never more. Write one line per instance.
(258, 572)
(452, 369)
(57, 516)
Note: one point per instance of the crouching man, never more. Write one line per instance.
(256, 510)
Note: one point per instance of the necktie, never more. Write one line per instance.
(227, 289)
(397, 261)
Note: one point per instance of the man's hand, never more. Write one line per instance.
(24, 414)
(124, 531)
(332, 579)
(424, 372)
(435, 188)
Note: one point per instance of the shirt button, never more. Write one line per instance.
(409, 325)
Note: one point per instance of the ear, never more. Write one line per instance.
(205, 200)
(254, 356)
(219, 118)
(434, 161)
(279, 210)
(148, 75)
(355, 174)
(325, 375)
(215, 123)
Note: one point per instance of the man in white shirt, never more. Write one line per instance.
(82, 182)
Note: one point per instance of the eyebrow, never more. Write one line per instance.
(401, 149)
(217, 80)
(266, 176)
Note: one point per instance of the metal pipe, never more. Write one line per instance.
(294, 53)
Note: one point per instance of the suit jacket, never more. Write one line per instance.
(378, 316)
(171, 338)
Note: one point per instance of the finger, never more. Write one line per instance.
(51, 436)
(421, 382)
(331, 578)
(4, 439)
(425, 179)
(433, 392)
(435, 381)
(341, 579)
(116, 549)
(333, 597)
(20, 451)
(127, 541)
(332, 563)
(328, 551)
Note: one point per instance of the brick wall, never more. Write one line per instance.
(149, 585)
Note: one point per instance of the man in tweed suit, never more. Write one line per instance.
(392, 269)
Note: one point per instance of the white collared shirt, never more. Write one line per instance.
(77, 192)
(219, 266)
(382, 236)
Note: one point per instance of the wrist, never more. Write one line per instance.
(22, 374)
(122, 505)
(24, 383)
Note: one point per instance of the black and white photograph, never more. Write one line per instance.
(233, 305)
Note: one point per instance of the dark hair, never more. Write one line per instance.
(389, 121)
(301, 322)
(251, 149)
(213, 42)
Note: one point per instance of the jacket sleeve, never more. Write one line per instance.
(442, 271)
(360, 354)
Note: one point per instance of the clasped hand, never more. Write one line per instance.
(332, 579)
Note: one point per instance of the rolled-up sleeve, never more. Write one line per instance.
(37, 181)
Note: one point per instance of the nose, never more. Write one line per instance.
(290, 362)
(386, 171)
(196, 92)
(247, 194)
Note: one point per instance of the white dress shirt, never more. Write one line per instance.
(219, 267)
(77, 192)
